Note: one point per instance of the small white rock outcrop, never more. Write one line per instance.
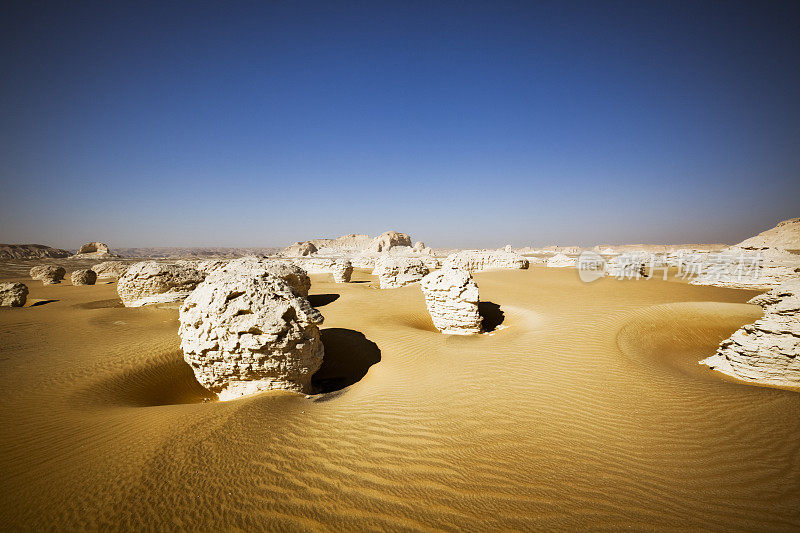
(478, 260)
(110, 269)
(389, 239)
(767, 351)
(295, 276)
(394, 272)
(243, 333)
(48, 274)
(13, 294)
(92, 250)
(83, 277)
(562, 261)
(746, 269)
(150, 282)
(300, 249)
(452, 298)
(342, 271)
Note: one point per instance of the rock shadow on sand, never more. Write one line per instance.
(491, 314)
(348, 357)
(318, 300)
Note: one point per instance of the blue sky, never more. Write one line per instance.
(464, 124)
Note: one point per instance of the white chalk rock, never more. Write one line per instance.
(389, 239)
(110, 269)
(149, 282)
(452, 299)
(92, 250)
(243, 333)
(396, 272)
(13, 294)
(342, 271)
(299, 249)
(48, 274)
(767, 351)
(478, 260)
(83, 277)
(296, 277)
(561, 261)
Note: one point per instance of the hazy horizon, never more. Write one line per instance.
(466, 125)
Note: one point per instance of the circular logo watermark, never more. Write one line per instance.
(591, 266)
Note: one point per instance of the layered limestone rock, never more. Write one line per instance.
(295, 276)
(315, 265)
(451, 296)
(150, 282)
(767, 351)
(300, 249)
(13, 294)
(92, 250)
(83, 277)
(48, 274)
(478, 260)
(785, 235)
(207, 265)
(389, 239)
(342, 271)
(110, 269)
(561, 261)
(744, 269)
(396, 272)
(30, 251)
(244, 333)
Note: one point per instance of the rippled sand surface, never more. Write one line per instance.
(586, 409)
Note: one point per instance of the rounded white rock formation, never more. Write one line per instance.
(393, 271)
(452, 298)
(300, 249)
(48, 274)
(83, 277)
(295, 276)
(92, 249)
(110, 269)
(342, 271)
(389, 239)
(13, 294)
(150, 282)
(244, 333)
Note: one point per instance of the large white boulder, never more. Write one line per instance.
(393, 271)
(92, 250)
(389, 239)
(452, 299)
(83, 277)
(150, 282)
(13, 294)
(48, 274)
(342, 271)
(478, 260)
(767, 351)
(243, 333)
(295, 276)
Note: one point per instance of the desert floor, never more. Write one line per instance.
(586, 408)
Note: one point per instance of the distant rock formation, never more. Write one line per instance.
(785, 235)
(13, 294)
(293, 275)
(48, 274)
(767, 351)
(149, 282)
(451, 296)
(83, 277)
(299, 249)
(478, 260)
(746, 268)
(419, 246)
(561, 261)
(342, 271)
(394, 271)
(244, 334)
(31, 251)
(92, 250)
(110, 269)
(389, 239)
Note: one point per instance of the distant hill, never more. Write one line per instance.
(785, 235)
(200, 252)
(31, 251)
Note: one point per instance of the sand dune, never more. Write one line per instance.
(586, 408)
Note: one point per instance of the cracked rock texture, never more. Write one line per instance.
(149, 282)
(396, 272)
(243, 333)
(452, 299)
(83, 277)
(13, 294)
(342, 271)
(767, 351)
(477, 260)
(389, 239)
(295, 276)
(110, 269)
(48, 274)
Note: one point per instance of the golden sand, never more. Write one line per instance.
(585, 409)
